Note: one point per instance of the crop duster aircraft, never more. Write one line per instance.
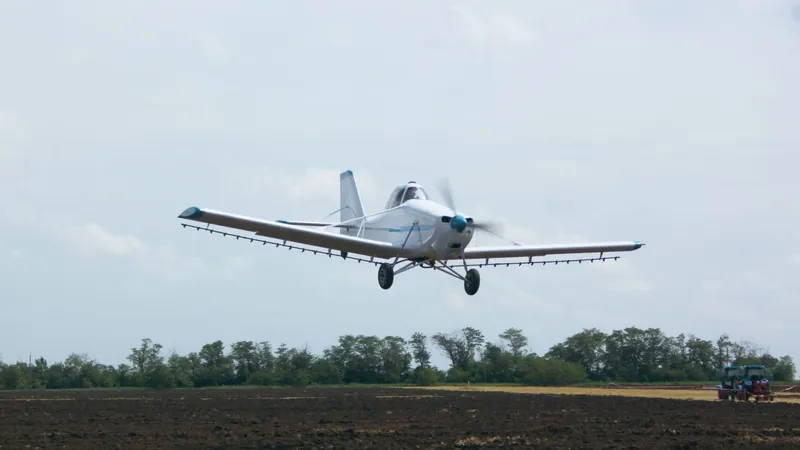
(411, 231)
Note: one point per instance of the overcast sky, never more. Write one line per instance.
(670, 122)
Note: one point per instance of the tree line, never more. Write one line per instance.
(628, 355)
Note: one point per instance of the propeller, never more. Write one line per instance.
(459, 222)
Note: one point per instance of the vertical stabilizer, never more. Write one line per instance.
(351, 206)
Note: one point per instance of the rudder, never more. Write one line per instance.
(350, 201)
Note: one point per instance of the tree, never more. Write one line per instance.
(244, 358)
(420, 350)
(395, 359)
(146, 357)
(629, 354)
(214, 366)
(460, 347)
(516, 341)
(784, 369)
(545, 371)
(587, 348)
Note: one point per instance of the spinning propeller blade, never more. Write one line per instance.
(447, 193)
(458, 222)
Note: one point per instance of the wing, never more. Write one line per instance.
(531, 251)
(294, 233)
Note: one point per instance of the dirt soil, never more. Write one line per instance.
(383, 419)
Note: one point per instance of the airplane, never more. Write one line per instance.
(412, 230)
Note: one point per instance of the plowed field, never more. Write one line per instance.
(383, 419)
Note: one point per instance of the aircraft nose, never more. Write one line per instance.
(458, 223)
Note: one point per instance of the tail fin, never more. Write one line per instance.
(351, 206)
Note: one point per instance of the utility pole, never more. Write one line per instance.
(30, 370)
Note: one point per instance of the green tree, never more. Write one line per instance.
(516, 341)
(420, 350)
(587, 348)
(460, 347)
(395, 359)
(629, 354)
(784, 369)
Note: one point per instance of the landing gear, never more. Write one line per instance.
(387, 272)
(385, 275)
(472, 282)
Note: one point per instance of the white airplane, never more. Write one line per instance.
(411, 230)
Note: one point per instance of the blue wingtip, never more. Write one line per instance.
(637, 245)
(282, 221)
(347, 173)
(192, 212)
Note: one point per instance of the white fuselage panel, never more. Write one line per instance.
(430, 237)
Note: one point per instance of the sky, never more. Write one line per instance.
(669, 122)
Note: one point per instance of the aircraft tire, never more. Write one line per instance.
(472, 282)
(385, 275)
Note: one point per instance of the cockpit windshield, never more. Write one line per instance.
(414, 192)
(404, 193)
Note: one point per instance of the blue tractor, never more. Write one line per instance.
(730, 379)
(743, 382)
(756, 383)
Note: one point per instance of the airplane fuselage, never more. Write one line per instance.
(432, 237)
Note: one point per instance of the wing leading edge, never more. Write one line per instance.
(293, 233)
(521, 251)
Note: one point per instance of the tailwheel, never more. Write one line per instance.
(472, 281)
(385, 275)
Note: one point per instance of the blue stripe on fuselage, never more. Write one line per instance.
(407, 229)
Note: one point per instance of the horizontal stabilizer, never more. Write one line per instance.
(304, 223)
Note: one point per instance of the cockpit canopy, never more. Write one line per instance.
(404, 193)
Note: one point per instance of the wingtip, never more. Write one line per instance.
(347, 173)
(637, 245)
(191, 212)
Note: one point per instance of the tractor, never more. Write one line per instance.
(730, 379)
(756, 384)
(743, 382)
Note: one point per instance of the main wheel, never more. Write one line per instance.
(472, 282)
(385, 275)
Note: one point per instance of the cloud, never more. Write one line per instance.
(12, 257)
(495, 28)
(14, 135)
(92, 237)
(741, 290)
(622, 275)
(513, 231)
(459, 302)
(314, 183)
(134, 253)
(162, 261)
(212, 46)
